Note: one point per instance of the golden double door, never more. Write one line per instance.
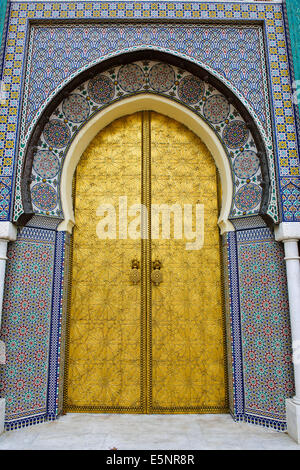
(138, 346)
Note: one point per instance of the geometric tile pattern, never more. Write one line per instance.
(56, 352)
(291, 198)
(244, 70)
(233, 326)
(65, 279)
(277, 64)
(234, 52)
(265, 328)
(145, 77)
(260, 370)
(32, 326)
(259, 354)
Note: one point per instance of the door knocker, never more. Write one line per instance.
(156, 275)
(135, 273)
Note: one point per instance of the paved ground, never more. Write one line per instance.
(154, 432)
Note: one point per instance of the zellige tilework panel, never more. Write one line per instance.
(276, 56)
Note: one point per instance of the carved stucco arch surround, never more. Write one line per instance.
(129, 106)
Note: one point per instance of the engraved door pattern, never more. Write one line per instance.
(146, 323)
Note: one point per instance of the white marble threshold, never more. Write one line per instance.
(76, 431)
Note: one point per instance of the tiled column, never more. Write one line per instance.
(8, 233)
(289, 234)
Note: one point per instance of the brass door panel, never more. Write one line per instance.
(186, 345)
(145, 348)
(106, 366)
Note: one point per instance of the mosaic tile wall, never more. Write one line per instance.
(266, 343)
(241, 64)
(58, 325)
(260, 368)
(261, 355)
(233, 327)
(33, 384)
(31, 327)
(155, 78)
(235, 53)
(277, 66)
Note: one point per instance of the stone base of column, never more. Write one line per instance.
(2, 414)
(293, 420)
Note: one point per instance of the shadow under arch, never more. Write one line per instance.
(125, 58)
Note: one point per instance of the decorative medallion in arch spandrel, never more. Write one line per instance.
(246, 164)
(46, 164)
(44, 196)
(248, 197)
(235, 134)
(161, 77)
(56, 133)
(216, 109)
(190, 89)
(131, 78)
(101, 89)
(76, 108)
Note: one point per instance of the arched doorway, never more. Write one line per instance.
(141, 345)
